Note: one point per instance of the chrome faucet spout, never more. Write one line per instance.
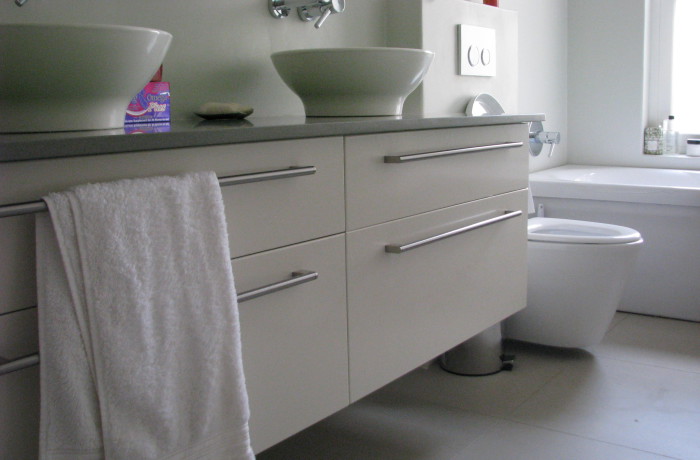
(20, 2)
(308, 10)
(539, 137)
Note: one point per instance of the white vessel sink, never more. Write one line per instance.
(73, 77)
(333, 82)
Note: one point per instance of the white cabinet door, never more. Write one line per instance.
(17, 263)
(19, 415)
(260, 215)
(378, 191)
(19, 391)
(405, 309)
(294, 340)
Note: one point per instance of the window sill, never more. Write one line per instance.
(673, 155)
(679, 155)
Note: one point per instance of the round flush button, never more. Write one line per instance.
(473, 56)
(485, 56)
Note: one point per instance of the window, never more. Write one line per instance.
(674, 68)
(685, 74)
(660, 46)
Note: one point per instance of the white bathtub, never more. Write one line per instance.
(662, 204)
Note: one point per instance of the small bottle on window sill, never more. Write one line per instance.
(670, 136)
(653, 140)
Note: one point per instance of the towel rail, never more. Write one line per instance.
(298, 277)
(13, 365)
(32, 207)
(18, 209)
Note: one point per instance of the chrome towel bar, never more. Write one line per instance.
(7, 366)
(444, 153)
(32, 207)
(298, 277)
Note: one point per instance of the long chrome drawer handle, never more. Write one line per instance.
(7, 366)
(293, 171)
(32, 207)
(398, 249)
(445, 153)
(299, 277)
(19, 209)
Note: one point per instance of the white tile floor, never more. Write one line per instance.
(635, 396)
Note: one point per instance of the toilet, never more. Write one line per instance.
(576, 274)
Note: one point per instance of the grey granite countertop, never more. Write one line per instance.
(35, 146)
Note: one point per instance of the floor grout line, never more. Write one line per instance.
(538, 390)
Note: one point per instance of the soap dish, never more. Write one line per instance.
(223, 110)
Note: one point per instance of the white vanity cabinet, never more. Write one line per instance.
(406, 306)
(285, 213)
(318, 224)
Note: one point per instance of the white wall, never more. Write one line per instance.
(606, 81)
(542, 78)
(221, 48)
(433, 25)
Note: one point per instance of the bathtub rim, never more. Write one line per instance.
(543, 184)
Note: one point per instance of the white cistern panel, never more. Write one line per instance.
(477, 50)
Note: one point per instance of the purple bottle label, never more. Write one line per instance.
(151, 104)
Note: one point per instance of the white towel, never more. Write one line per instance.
(139, 332)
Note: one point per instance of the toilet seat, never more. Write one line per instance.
(552, 230)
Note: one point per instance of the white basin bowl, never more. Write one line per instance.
(73, 77)
(336, 82)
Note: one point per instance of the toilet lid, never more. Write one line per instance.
(547, 229)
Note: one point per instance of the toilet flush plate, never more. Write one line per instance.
(477, 50)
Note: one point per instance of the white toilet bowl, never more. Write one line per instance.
(576, 273)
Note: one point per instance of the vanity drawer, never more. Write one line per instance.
(406, 308)
(294, 348)
(284, 210)
(19, 335)
(19, 416)
(17, 263)
(19, 391)
(378, 191)
(294, 340)
(260, 215)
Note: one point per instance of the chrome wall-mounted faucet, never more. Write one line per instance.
(308, 10)
(20, 2)
(539, 137)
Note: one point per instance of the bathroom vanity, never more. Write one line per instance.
(383, 242)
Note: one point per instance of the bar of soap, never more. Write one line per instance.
(219, 110)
